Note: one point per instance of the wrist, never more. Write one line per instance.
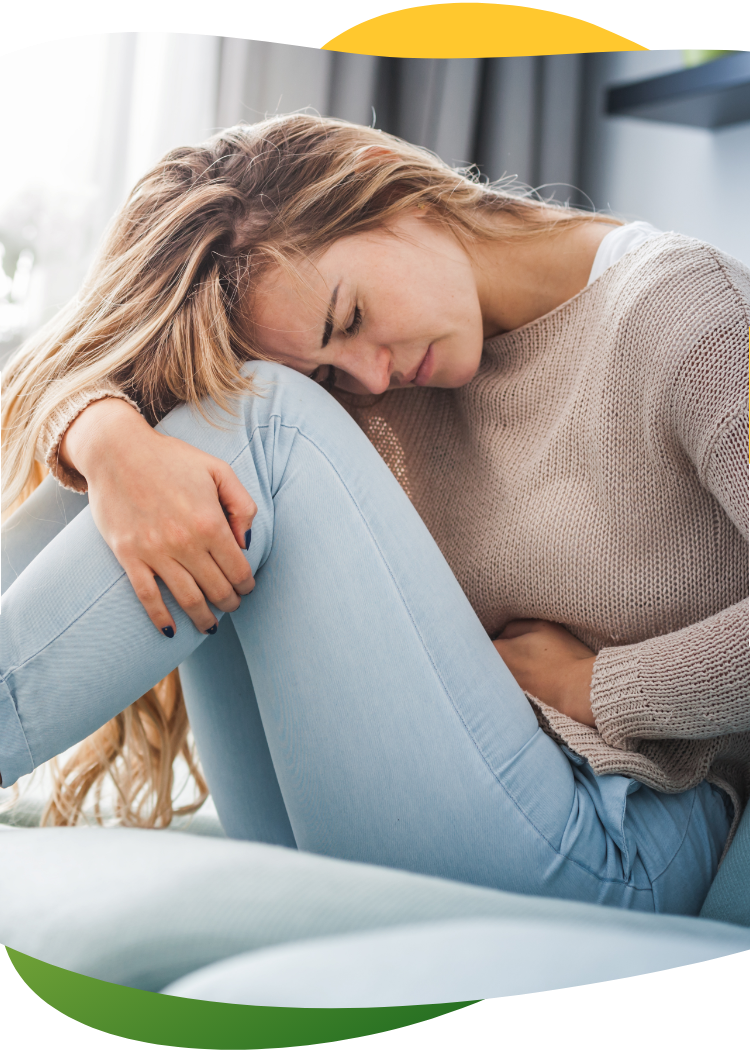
(94, 433)
(575, 695)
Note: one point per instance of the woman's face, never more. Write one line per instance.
(387, 309)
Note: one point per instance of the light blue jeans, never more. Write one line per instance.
(380, 724)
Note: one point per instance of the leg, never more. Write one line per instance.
(229, 734)
(216, 683)
(35, 524)
(397, 734)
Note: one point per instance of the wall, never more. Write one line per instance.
(693, 181)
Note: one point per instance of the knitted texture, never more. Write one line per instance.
(48, 444)
(594, 473)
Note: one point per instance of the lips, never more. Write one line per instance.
(425, 368)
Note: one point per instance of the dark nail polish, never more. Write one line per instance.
(212, 630)
(168, 631)
(248, 537)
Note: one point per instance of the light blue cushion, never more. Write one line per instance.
(457, 960)
(729, 896)
(144, 908)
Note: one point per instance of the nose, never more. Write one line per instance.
(371, 366)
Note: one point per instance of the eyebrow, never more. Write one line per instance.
(328, 328)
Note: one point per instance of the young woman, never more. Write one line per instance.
(565, 515)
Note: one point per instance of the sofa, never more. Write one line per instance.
(189, 912)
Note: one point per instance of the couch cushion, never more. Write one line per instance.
(144, 908)
(456, 960)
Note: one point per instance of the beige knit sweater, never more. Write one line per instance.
(594, 473)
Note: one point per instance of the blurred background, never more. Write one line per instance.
(83, 118)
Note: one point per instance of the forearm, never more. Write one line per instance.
(87, 443)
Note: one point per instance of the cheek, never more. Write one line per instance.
(462, 360)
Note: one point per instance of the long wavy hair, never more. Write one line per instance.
(163, 315)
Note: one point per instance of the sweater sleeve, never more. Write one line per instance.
(693, 683)
(48, 444)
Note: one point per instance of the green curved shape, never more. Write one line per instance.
(193, 1024)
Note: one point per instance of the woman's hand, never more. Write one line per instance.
(550, 663)
(165, 509)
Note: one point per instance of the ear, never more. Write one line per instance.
(373, 154)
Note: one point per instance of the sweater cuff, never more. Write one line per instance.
(50, 438)
(617, 699)
(686, 685)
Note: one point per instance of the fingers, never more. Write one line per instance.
(187, 566)
(524, 625)
(547, 634)
(190, 592)
(144, 584)
(232, 564)
(222, 551)
(191, 598)
(199, 554)
(237, 503)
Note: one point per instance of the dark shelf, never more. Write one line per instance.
(709, 96)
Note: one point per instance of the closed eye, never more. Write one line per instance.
(353, 328)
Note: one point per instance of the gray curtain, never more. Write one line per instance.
(510, 117)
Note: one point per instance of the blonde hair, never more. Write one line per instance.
(163, 315)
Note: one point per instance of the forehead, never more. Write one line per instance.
(289, 310)
(300, 293)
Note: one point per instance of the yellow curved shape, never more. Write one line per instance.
(473, 31)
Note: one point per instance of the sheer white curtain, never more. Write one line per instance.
(159, 90)
(81, 120)
(50, 110)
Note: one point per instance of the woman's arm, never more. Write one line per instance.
(165, 509)
(693, 683)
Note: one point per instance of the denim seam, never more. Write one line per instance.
(18, 718)
(584, 868)
(62, 631)
(682, 840)
(624, 837)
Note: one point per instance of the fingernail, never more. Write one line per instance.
(212, 630)
(168, 631)
(248, 537)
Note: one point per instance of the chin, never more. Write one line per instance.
(458, 377)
